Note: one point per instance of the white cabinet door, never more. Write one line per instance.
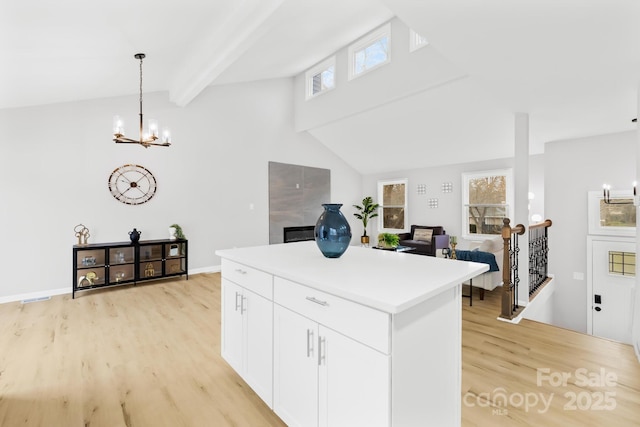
(247, 337)
(258, 345)
(295, 369)
(354, 383)
(232, 329)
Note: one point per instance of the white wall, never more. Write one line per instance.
(572, 169)
(407, 73)
(55, 162)
(449, 212)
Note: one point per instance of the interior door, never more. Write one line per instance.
(613, 264)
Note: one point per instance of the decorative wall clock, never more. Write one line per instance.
(132, 184)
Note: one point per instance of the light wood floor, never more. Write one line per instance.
(150, 356)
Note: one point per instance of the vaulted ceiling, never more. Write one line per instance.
(573, 65)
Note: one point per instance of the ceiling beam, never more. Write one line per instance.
(212, 54)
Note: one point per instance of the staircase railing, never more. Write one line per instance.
(510, 278)
(538, 256)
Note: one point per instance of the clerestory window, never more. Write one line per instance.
(370, 52)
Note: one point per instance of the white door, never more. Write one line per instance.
(354, 383)
(232, 333)
(295, 368)
(613, 264)
(258, 354)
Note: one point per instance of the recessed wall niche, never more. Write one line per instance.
(296, 195)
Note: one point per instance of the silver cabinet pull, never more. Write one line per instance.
(241, 271)
(238, 305)
(321, 352)
(243, 307)
(317, 301)
(309, 342)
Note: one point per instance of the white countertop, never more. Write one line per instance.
(388, 281)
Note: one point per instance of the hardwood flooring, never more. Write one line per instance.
(149, 355)
(548, 376)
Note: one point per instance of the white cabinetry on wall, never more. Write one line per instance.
(247, 326)
(322, 377)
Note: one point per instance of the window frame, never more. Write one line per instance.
(416, 40)
(509, 203)
(314, 71)
(381, 185)
(365, 42)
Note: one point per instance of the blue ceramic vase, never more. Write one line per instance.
(332, 232)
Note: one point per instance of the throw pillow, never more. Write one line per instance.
(423, 234)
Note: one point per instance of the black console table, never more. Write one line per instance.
(112, 264)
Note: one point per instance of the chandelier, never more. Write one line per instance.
(145, 139)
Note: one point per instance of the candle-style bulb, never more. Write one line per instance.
(153, 128)
(118, 125)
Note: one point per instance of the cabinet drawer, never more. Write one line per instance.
(255, 280)
(361, 323)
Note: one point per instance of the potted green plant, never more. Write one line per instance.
(388, 240)
(178, 231)
(364, 214)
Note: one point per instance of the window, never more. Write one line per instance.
(487, 200)
(370, 52)
(416, 41)
(617, 219)
(321, 78)
(392, 197)
(622, 263)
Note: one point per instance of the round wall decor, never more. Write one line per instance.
(132, 184)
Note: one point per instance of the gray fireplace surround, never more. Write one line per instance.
(296, 195)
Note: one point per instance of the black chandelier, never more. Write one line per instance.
(145, 139)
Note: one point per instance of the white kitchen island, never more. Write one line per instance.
(372, 338)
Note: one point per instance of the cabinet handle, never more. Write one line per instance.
(241, 271)
(317, 301)
(321, 353)
(243, 308)
(238, 306)
(309, 342)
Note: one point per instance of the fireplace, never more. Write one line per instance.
(299, 234)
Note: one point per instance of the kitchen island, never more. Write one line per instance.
(372, 338)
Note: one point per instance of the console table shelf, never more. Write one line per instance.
(100, 265)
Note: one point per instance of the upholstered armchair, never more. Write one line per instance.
(426, 240)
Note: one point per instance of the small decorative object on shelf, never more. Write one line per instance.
(149, 271)
(177, 234)
(173, 250)
(134, 235)
(82, 233)
(453, 240)
(332, 231)
(364, 214)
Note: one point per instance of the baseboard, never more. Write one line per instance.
(30, 296)
(34, 295)
(210, 269)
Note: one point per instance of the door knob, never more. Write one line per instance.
(598, 309)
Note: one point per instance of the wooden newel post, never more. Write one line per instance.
(507, 292)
